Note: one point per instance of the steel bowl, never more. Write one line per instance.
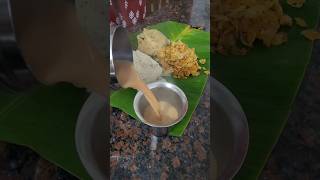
(231, 132)
(91, 136)
(163, 91)
(230, 139)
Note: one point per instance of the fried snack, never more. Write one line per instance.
(237, 24)
(279, 39)
(150, 41)
(178, 59)
(296, 3)
(300, 22)
(311, 34)
(286, 21)
(202, 61)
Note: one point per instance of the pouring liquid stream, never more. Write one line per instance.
(128, 77)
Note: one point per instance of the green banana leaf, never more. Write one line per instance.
(193, 87)
(266, 82)
(43, 119)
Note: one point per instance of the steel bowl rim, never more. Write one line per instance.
(93, 104)
(231, 103)
(170, 86)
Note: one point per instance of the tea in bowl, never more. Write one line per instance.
(173, 105)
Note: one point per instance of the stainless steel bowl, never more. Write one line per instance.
(164, 91)
(231, 131)
(91, 136)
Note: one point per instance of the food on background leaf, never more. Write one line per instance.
(296, 3)
(311, 34)
(202, 61)
(179, 59)
(237, 24)
(286, 20)
(148, 69)
(279, 39)
(301, 22)
(150, 41)
(207, 72)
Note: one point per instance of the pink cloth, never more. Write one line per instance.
(131, 12)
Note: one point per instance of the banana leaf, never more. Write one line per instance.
(43, 119)
(266, 82)
(193, 86)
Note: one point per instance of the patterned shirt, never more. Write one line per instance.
(131, 12)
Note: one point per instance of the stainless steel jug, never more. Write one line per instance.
(120, 47)
(16, 75)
